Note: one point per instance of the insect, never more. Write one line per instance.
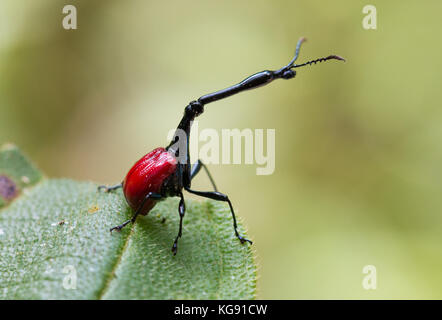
(165, 172)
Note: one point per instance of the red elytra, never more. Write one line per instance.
(147, 175)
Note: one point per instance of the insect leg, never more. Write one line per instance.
(110, 188)
(221, 197)
(182, 211)
(197, 167)
(150, 195)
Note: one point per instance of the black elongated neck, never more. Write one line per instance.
(193, 110)
(196, 108)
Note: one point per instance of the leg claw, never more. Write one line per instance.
(121, 226)
(106, 189)
(244, 240)
(118, 228)
(109, 189)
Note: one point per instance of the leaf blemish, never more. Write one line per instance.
(25, 179)
(93, 209)
(8, 188)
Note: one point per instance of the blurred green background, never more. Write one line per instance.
(358, 177)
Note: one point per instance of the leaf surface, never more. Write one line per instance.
(55, 243)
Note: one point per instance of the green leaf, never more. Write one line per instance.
(55, 243)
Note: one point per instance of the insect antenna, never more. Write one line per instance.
(292, 64)
(335, 57)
